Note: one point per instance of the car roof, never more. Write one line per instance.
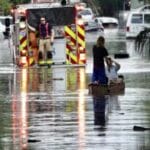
(107, 19)
(143, 8)
(135, 12)
(3, 17)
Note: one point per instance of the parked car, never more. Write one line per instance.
(2, 22)
(86, 14)
(108, 22)
(2, 27)
(6, 26)
(136, 22)
(93, 26)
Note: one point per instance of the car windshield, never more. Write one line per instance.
(92, 23)
(85, 12)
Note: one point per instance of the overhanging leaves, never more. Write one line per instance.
(142, 39)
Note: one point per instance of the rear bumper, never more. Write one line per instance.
(131, 35)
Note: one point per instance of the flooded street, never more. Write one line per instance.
(51, 109)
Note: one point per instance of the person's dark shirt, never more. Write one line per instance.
(98, 56)
(42, 30)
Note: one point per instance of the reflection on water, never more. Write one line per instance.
(6, 82)
(20, 114)
(115, 47)
(81, 108)
(33, 100)
(103, 106)
(99, 110)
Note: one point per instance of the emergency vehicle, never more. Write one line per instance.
(70, 50)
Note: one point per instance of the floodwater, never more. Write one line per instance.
(51, 109)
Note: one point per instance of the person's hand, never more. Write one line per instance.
(113, 60)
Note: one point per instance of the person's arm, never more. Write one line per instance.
(93, 51)
(49, 29)
(106, 54)
(117, 65)
(105, 58)
(31, 28)
(52, 36)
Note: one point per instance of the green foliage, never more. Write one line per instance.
(145, 1)
(5, 6)
(20, 1)
(142, 41)
(109, 8)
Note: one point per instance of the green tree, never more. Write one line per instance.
(145, 1)
(20, 1)
(142, 41)
(105, 7)
(5, 6)
(109, 8)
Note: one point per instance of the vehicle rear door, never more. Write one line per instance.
(136, 23)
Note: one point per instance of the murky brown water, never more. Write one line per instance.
(50, 108)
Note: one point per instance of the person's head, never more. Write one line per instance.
(100, 41)
(42, 20)
(109, 61)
